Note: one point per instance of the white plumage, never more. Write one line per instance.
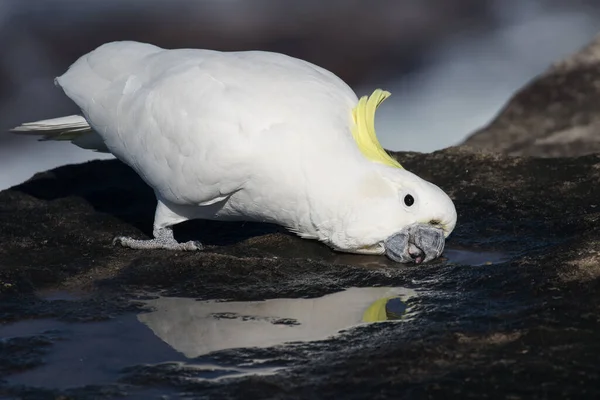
(241, 136)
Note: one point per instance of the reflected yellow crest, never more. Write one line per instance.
(378, 311)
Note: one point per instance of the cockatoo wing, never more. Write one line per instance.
(197, 124)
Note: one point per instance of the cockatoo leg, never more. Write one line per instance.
(166, 215)
(163, 239)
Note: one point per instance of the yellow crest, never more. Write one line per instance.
(364, 128)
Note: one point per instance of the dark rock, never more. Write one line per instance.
(21, 353)
(523, 328)
(556, 115)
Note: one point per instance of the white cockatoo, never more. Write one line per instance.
(254, 136)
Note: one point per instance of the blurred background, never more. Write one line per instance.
(450, 64)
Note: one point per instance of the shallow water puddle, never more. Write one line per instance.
(199, 327)
(57, 295)
(181, 329)
(475, 258)
(88, 353)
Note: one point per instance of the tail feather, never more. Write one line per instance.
(73, 128)
(63, 128)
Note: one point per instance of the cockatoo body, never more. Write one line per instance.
(254, 136)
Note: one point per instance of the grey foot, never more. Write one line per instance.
(163, 239)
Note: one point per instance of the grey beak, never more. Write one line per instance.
(415, 243)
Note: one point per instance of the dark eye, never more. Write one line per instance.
(409, 200)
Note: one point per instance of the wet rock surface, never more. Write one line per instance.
(510, 311)
(556, 115)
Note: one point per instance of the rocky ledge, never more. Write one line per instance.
(510, 311)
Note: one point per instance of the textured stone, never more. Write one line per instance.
(524, 328)
(555, 115)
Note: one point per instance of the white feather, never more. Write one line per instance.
(74, 128)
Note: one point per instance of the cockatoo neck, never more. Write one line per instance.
(341, 196)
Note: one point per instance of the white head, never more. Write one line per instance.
(393, 210)
(420, 201)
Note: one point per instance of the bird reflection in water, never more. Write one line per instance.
(195, 328)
